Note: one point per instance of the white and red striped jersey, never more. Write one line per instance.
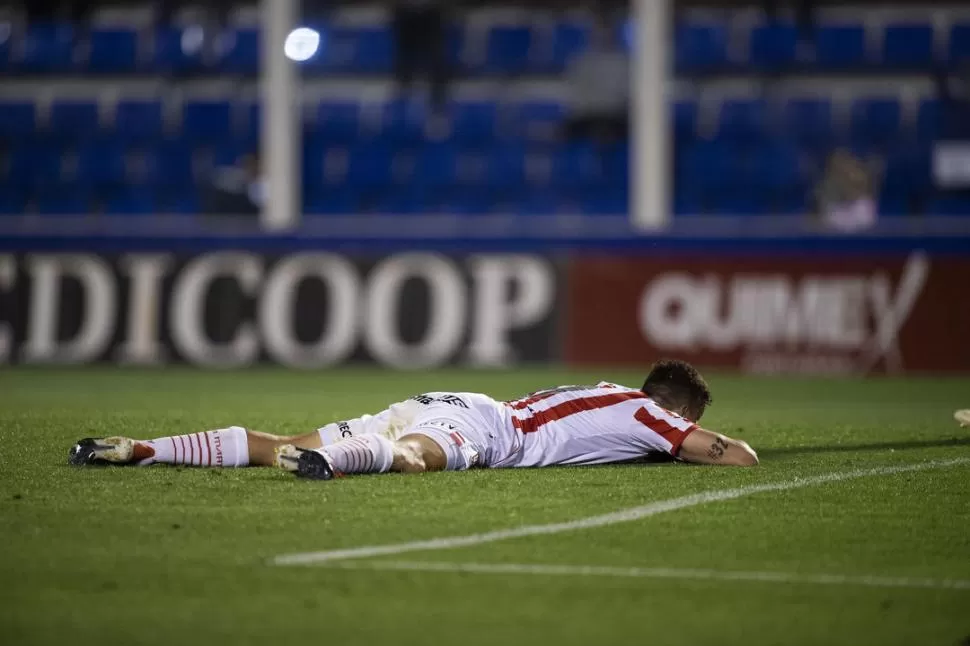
(591, 425)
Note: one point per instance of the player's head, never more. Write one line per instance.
(677, 386)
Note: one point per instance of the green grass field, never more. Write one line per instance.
(182, 556)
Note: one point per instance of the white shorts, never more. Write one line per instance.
(472, 429)
(464, 440)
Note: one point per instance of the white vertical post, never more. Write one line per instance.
(279, 89)
(650, 128)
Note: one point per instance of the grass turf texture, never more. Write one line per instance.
(179, 555)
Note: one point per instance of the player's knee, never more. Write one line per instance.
(408, 458)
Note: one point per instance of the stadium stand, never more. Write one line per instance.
(759, 105)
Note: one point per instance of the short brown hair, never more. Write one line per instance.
(675, 384)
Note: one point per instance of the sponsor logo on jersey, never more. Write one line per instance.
(452, 400)
(344, 429)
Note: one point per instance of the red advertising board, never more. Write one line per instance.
(840, 315)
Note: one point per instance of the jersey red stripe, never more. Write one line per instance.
(198, 441)
(573, 406)
(175, 450)
(664, 429)
(522, 404)
(182, 442)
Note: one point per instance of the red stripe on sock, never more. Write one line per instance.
(191, 451)
(182, 442)
(175, 452)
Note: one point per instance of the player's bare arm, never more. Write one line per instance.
(706, 447)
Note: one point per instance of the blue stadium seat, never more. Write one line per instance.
(132, 200)
(338, 122)
(740, 204)
(792, 202)
(252, 122)
(399, 201)
(13, 200)
(375, 50)
(929, 121)
(908, 45)
(473, 122)
(772, 47)
(17, 121)
(228, 153)
(874, 121)
(949, 205)
(544, 202)
(685, 119)
(137, 121)
(568, 40)
(113, 50)
(808, 122)
(505, 167)
(577, 165)
(894, 203)
(700, 47)
(774, 168)
(179, 49)
(742, 120)
(34, 165)
(101, 164)
(330, 201)
(170, 163)
(48, 47)
(207, 121)
(74, 120)
(959, 49)
(687, 201)
(707, 167)
(605, 203)
(241, 56)
(538, 119)
(184, 201)
(908, 171)
(63, 199)
(367, 50)
(403, 122)
(369, 166)
(508, 49)
(840, 46)
(468, 202)
(436, 167)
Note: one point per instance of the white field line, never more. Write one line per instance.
(653, 573)
(622, 516)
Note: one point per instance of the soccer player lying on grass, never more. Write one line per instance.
(599, 424)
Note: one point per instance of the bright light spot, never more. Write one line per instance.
(301, 44)
(192, 39)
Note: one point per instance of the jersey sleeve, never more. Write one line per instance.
(662, 429)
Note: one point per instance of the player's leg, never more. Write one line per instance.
(412, 453)
(436, 445)
(226, 447)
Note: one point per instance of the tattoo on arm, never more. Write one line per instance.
(716, 452)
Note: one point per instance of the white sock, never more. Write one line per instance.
(225, 447)
(364, 454)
